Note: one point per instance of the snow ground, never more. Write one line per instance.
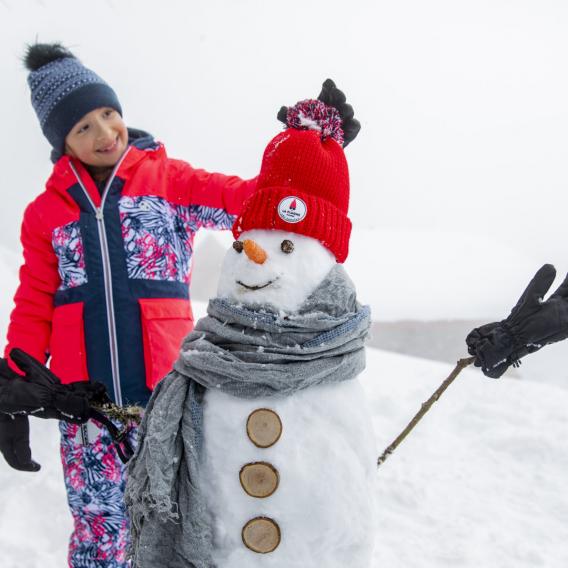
(480, 481)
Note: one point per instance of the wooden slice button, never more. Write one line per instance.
(259, 479)
(264, 427)
(261, 535)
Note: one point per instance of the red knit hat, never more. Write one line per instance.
(303, 186)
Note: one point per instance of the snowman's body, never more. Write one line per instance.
(324, 458)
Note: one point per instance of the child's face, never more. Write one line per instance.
(98, 139)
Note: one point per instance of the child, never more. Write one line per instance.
(104, 288)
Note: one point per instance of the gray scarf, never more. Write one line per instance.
(248, 354)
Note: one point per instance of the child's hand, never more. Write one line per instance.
(40, 393)
(331, 96)
(532, 324)
(15, 429)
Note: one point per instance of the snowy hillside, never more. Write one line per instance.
(479, 483)
(437, 274)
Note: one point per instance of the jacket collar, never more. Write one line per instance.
(141, 147)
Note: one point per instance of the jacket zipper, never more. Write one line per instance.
(84, 434)
(107, 276)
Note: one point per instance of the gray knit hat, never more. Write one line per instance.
(63, 90)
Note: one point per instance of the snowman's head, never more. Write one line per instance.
(294, 226)
(274, 267)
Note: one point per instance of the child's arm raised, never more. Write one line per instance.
(30, 320)
(216, 198)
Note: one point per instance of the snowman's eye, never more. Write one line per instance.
(287, 246)
(238, 246)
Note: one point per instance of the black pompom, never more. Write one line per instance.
(40, 54)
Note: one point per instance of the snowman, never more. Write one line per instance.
(258, 449)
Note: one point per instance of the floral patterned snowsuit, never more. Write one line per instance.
(104, 295)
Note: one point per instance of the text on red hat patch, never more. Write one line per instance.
(292, 209)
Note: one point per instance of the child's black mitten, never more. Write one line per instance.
(40, 393)
(532, 324)
(334, 97)
(15, 443)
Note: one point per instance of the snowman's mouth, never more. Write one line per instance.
(256, 287)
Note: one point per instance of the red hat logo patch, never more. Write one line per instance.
(292, 209)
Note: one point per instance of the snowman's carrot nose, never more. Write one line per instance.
(254, 251)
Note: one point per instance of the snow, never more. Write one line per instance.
(458, 196)
(479, 482)
(437, 274)
(322, 503)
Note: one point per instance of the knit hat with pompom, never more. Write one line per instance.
(303, 186)
(63, 90)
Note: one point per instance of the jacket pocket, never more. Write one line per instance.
(165, 322)
(67, 344)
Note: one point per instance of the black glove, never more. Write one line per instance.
(334, 97)
(532, 324)
(15, 443)
(40, 393)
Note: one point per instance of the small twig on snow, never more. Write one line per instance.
(461, 365)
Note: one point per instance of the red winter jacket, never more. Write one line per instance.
(104, 288)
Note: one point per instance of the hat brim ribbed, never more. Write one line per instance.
(323, 221)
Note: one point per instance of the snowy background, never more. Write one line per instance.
(459, 193)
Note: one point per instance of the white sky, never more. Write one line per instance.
(463, 103)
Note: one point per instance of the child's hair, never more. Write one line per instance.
(63, 90)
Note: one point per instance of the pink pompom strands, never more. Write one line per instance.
(312, 114)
